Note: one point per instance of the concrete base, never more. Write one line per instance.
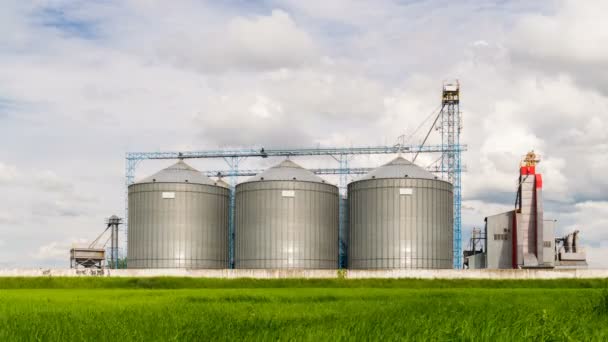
(316, 274)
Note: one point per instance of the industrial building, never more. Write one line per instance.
(261, 232)
(286, 217)
(178, 218)
(396, 216)
(400, 216)
(523, 238)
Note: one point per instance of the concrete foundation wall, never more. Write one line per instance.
(282, 274)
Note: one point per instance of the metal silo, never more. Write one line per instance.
(178, 218)
(286, 217)
(400, 216)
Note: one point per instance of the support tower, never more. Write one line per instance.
(113, 223)
(450, 127)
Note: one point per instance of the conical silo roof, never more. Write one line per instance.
(287, 170)
(222, 183)
(398, 168)
(179, 172)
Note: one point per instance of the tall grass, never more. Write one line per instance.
(601, 307)
(171, 309)
(194, 283)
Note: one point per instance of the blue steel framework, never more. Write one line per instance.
(234, 157)
(451, 166)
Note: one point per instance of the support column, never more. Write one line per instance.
(450, 127)
(343, 160)
(233, 163)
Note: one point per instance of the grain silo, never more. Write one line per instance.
(400, 216)
(286, 217)
(178, 218)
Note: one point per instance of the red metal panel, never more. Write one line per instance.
(523, 170)
(527, 170)
(539, 181)
(536, 218)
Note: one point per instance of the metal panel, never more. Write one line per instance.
(529, 224)
(540, 231)
(477, 261)
(186, 230)
(286, 224)
(548, 243)
(499, 240)
(391, 228)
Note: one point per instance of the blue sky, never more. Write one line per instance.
(60, 19)
(83, 82)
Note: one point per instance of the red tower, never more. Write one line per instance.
(528, 220)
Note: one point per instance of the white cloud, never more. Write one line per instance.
(293, 107)
(49, 181)
(57, 250)
(7, 217)
(8, 173)
(252, 43)
(590, 218)
(597, 257)
(573, 40)
(52, 250)
(482, 43)
(476, 211)
(265, 108)
(574, 34)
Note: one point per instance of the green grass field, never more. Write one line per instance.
(161, 309)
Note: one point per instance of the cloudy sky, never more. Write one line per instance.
(83, 82)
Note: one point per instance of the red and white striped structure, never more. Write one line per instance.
(528, 224)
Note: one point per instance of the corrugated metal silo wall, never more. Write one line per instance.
(187, 231)
(286, 224)
(400, 223)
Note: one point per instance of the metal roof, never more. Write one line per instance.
(287, 170)
(222, 183)
(179, 172)
(398, 168)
